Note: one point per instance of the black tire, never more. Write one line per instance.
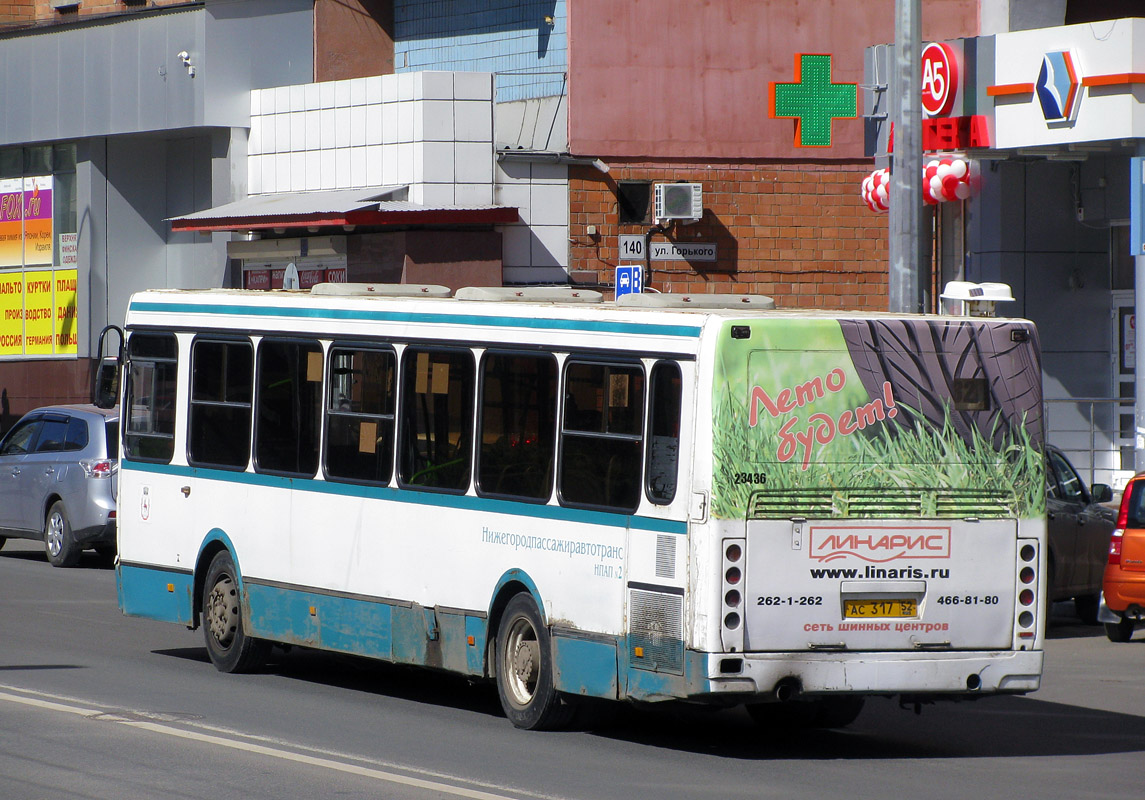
(826, 712)
(921, 359)
(228, 645)
(1121, 631)
(524, 666)
(1086, 607)
(59, 546)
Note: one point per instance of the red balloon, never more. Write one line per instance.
(949, 187)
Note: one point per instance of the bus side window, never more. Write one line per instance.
(222, 376)
(601, 435)
(663, 433)
(289, 403)
(435, 449)
(517, 440)
(149, 429)
(360, 415)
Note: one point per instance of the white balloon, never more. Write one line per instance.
(963, 191)
(958, 168)
(881, 192)
(936, 186)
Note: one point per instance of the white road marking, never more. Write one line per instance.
(77, 707)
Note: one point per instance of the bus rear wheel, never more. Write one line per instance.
(228, 645)
(525, 669)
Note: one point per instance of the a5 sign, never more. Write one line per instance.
(939, 79)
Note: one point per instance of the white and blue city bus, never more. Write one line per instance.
(669, 497)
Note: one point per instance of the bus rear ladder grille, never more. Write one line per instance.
(887, 502)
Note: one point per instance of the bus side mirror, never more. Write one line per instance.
(105, 387)
(105, 377)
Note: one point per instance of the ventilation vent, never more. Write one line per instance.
(665, 556)
(655, 634)
(886, 503)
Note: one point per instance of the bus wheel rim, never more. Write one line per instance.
(222, 611)
(522, 662)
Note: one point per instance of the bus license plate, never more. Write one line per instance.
(869, 609)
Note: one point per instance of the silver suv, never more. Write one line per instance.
(59, 470)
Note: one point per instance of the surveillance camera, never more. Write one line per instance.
(183, 55)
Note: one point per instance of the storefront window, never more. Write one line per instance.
(38, 251)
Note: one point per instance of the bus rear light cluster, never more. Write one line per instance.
(1028, 596)
(733, 598)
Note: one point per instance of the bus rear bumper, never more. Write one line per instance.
(964, 673)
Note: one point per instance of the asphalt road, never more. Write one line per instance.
(96, 705)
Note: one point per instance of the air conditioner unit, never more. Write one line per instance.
(679, 201)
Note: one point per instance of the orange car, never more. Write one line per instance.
(1123, 586)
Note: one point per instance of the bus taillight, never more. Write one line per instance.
(733, 599)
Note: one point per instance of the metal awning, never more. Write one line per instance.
(370, 206)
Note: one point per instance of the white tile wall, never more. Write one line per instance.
(549, 203)
(430, 130)
(365, 131)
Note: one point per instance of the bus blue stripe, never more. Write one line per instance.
(464, 502)
(590, 326)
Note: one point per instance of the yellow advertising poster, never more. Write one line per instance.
(38, 313)
(11, 313)
(66, 319)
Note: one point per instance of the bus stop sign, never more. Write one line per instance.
(629, 279)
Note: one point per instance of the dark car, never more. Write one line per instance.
(1079, 531)
(59, 467)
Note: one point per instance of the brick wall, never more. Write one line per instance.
(44, 11)
(25, 385)
(797, 232)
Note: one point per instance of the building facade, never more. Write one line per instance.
(211, 143)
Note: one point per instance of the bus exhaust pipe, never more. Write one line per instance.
(786, 690)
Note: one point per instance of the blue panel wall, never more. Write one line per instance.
(509, 38)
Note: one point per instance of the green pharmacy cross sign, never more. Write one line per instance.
(813, 100)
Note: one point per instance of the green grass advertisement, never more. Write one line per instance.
(892, 417)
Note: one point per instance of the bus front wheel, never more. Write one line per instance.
(228, 645)
(525, 669)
